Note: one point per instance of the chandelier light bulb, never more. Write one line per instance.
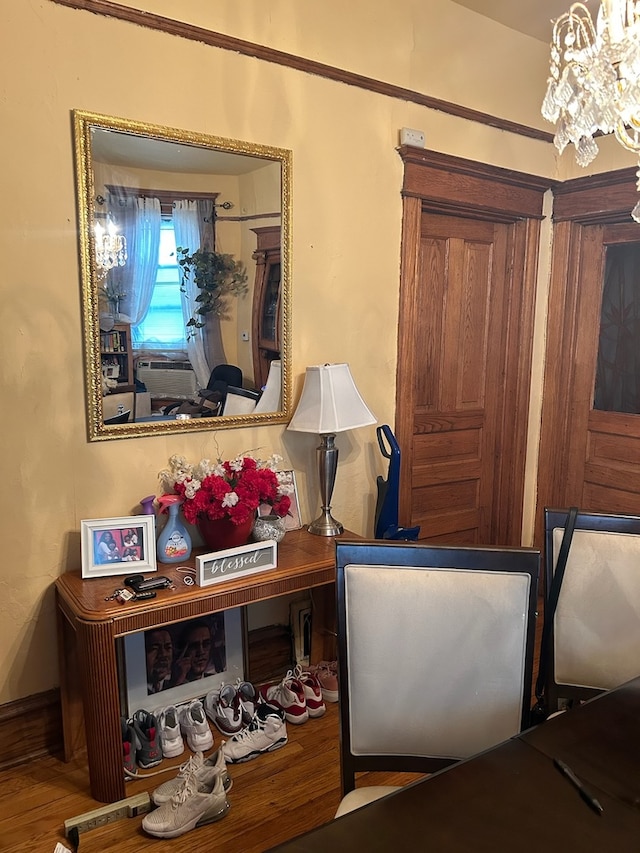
(111, 247)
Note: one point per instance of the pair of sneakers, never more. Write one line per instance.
(298, 695)
(327, 674)
(266, 732)
(141, 745)
(189, 721)
(197, 796)
(231, 706)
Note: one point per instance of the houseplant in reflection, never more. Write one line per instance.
(222, 498)
(216, 276)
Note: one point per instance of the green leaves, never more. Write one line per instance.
(218, 277)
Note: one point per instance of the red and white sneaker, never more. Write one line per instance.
(327, 674)
(289, 696)
(312, 692)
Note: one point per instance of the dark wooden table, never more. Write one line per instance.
(512, 797)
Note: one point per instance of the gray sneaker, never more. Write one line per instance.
(148, 748)
(193, 804)
(205, 770)
(266, 731)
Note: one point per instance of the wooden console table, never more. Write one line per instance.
(89, 626)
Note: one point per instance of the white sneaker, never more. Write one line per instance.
(169, 732)
(194, 725)
(205, 770)
(193, 804)
(222, 706)
(266, 732)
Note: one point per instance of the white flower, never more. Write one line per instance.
(230, 499)
(191, 488)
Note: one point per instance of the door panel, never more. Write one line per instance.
(458, 300)
(470, 235)
(589, 458)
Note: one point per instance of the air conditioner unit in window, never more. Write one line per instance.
(168, 378)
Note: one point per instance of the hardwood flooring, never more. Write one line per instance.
(273, 798)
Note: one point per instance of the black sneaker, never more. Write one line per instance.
(148, 749)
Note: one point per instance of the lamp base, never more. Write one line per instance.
(325, 525)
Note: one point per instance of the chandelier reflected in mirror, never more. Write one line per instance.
(110, 246)
(594, 79)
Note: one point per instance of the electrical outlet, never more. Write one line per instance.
(412, 137)
(131, 807)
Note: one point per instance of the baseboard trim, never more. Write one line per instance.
(30, 728)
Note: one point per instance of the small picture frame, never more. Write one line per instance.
(300, 620)
(292, 520)
(118, 546)
(173, 664)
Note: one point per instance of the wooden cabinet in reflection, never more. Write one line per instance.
(266, 302)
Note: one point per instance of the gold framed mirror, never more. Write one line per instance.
(185, 254)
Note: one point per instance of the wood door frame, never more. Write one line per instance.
(597, 200)
(439, 183)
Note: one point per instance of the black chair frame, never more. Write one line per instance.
(556, 692)
(412, 554)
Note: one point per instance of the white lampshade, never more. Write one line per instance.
(330, 402)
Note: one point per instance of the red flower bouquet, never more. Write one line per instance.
(232, 489)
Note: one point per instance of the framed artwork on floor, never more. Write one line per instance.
(173, 664)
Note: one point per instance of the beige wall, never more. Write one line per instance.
(346, 237)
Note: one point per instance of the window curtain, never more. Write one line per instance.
(139, 220)
(186, 228)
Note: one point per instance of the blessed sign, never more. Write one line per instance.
(236, 562)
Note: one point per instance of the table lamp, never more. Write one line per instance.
(330, 403)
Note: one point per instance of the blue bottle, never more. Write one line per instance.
(174, 542)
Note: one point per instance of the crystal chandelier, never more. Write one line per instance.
(111, 247)
(594, 79)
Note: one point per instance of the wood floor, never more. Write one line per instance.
(273, 798)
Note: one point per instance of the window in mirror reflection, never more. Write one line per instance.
(163, 328)
(617, 386)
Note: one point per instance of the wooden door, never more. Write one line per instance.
(588, 457)
(464, 349)
(459, 303)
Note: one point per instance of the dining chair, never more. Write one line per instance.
(119, 408)
(435, 654)
(595, 633)
(240, 401)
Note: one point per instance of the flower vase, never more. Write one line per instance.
(221, 533)
(269, 527)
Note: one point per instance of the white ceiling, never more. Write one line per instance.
(532, 17)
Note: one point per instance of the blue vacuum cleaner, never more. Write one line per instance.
(386, 526)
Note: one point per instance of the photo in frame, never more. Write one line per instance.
(300, 622)
(118, 546)
(292, 520)
(173, 664)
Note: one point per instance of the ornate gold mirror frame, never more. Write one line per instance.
(251, 188)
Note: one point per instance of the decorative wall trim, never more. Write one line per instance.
(30, 728)
(299, 63)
